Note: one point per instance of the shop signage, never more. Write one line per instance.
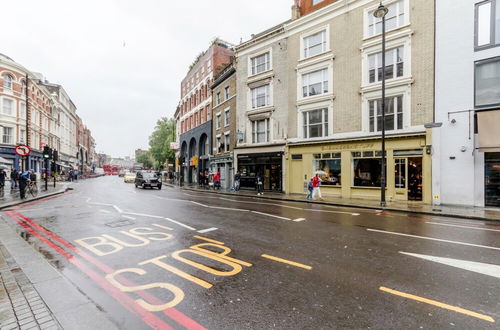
(22, 151)
(174, 145)
(351, 146)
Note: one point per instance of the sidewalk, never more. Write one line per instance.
(11, 197)
(477, 213)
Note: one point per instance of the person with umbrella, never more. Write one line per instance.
(316, 182)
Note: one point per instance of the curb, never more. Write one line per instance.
(366, 207)
(59, 192)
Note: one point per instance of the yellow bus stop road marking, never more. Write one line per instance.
(208, 239)
(439, 304)
(293, 263)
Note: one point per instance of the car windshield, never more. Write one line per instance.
(149, 175)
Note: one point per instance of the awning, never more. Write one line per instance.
(488, 124)
(63, 165)
(5, 161)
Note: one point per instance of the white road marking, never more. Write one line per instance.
(435, 239)
(117, 209)
(145, 215)
(127, 217)
(260, 203)
(342, 212)
(207, 230)
(299, 220)
(460, 226)
(179, 223)
(271, 215)
(477, 267)
(203, 205)
(104, 211)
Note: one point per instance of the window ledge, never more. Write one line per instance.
(388, 84)
(325, 56)
(260, 110)
(260, 76)
(402, 31)
(316, 98)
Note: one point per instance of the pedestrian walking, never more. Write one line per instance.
(3, 175)
(309, 189)
(14, 176)
(258, 181)
(316, 182)
(217, 180)
(237, 178)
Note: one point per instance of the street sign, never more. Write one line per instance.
(22, 151)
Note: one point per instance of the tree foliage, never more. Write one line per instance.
(159, 142)
(145, 159)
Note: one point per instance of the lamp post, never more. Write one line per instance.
(380, 12)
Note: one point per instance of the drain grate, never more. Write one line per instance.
(119, 223)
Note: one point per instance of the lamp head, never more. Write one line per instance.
(381, 11)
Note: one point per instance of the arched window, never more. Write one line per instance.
(7, 81)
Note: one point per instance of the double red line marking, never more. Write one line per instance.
(149, 318)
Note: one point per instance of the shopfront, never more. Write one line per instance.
(492, 178)
(352, 168)
(489, 144)
(267, 165)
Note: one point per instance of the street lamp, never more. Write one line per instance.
(380, 12)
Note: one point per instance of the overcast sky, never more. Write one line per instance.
(121, 61)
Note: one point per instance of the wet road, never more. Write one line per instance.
(179, 259)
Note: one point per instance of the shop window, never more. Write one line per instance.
(329, 170)
(367, 171)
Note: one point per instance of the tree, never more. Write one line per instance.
(159, 142)
(145, 159)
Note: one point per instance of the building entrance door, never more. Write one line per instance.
(408, 178)
(492, 178)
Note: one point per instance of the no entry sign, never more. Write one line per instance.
(22, 151)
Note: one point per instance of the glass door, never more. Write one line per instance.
(492, 178)
(414, 175)
(400, 178)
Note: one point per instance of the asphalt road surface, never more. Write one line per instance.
(177, 259)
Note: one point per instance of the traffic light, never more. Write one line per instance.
(47, 152)
(55, 156)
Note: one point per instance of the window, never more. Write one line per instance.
(226, 93)
(315, 44)
(260, 131)
(315, 2)
(315, 123)
(22, 135)
(8, 106)
(7, 135)
(227, 142)
(226, 117)
(394, 65)
(217, 98)
(23, 87)
(394, 19)
(487, 24)
(7, 81)
(315, 83)
(487, 86)
(260, 63)
(330, 165)
(219, 143)
(393, 114)
(367, 172)
(217, 121)
(260, 96)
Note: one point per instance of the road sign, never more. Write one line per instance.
(22, 151)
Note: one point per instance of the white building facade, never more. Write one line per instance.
(466, 148)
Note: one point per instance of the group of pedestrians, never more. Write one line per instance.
(18, 179)
(313, 190)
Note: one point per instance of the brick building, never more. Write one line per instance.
(224, 124)
(195, 106)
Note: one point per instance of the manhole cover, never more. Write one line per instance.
(119, 223)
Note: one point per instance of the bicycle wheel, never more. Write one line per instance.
(33, 190)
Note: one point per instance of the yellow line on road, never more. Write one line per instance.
(438, 304)
(293, 263)
(208, 240)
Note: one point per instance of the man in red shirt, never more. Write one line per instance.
(316, 181)
(217, 180)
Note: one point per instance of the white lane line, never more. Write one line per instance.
(199, 204)
(144, 215)
(179, 223)
(459, 226)
(127, 217)
(342, 212)
(434, 239)
(271, 215)
(299, 219)
(117, 209)
(104, 211)
(286, 206)
(477, 267)
(207, 230)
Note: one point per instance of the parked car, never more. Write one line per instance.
(122, 173)
(129, 177)
(147, 179)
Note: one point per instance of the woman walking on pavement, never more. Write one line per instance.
(316, 181)
(258, 181)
